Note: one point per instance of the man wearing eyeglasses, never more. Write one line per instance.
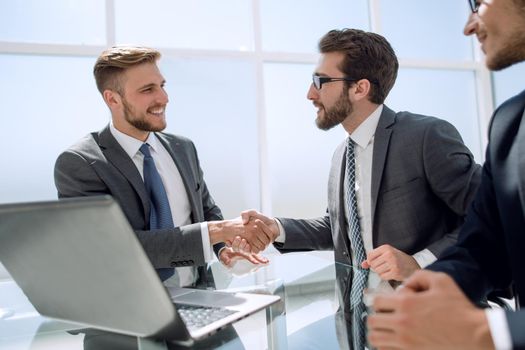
(400, 183)
(433, 310)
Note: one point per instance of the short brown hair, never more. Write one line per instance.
(367, 56)
(114, 61)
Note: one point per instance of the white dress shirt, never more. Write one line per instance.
(174, 186)
(499, 329)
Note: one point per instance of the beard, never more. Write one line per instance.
(513, 52)
(140, 121)
(336, 114)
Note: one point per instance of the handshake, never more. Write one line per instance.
(252, 232)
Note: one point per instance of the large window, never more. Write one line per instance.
(237, 74)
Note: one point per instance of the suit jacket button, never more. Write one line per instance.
(173, 264)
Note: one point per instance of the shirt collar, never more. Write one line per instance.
(365, 132)
(130, 144)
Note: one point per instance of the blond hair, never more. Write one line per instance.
(114, 61)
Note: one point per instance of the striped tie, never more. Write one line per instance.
(360, 276)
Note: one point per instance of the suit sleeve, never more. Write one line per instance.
(180, 246)
(452, 173)
(479, 262)
(306, 235)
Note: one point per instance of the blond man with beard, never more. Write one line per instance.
(155, 176)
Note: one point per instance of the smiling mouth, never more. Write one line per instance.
(157, 111)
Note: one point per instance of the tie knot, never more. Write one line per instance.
(144, 149)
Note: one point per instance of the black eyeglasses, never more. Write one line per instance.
(319, 81)
(474, 5)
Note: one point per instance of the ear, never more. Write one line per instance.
(361, 89)
(112, 99)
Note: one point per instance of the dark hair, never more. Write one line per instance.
(114, 61)
(366, 56)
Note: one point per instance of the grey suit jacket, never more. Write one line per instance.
(98, 165)
(423, 180)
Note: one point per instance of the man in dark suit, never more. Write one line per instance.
(432, 312)
(413, 176)
(178, 230)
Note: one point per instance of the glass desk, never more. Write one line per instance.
(308, 315)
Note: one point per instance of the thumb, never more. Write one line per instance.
(247, 214)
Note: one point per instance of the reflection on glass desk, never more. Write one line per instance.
(309, 316)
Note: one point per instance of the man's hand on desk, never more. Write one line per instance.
(255, 232)
(429, 312)
(390, 263)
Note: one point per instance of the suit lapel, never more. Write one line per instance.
(381, 142)
(116, 155)
(183, 165)
(521, 159)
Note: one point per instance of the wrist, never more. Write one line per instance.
(215, 231)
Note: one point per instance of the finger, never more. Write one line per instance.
(261, 235)
(236, 244)
(374, 254)
(386, 303)
(252, 237)
(225, 258)
(253, 258)
(266, 230)
(260, 259)
(379, 266)
(257, 243)
(247, 214)
(365, 264)
(384, 340)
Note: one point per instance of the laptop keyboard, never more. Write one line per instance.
(199, 316)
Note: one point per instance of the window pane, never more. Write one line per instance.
(299, 153)
(292, 26)
(202, 24)
(53, 21)
(427, 29)
(213, 102)
(53, 102)
(506, 83)
(447, 94)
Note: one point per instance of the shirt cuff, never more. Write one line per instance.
(282, 234)
(499, 329)
(207, 249)
(424, 258)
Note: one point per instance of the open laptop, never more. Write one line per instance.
(78, 260)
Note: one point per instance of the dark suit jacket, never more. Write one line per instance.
(491, 247)
(423, 179)
(98, 165)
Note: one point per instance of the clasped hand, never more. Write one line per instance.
(258, 232)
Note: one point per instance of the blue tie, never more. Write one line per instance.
(160, 212)
(360, 276)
